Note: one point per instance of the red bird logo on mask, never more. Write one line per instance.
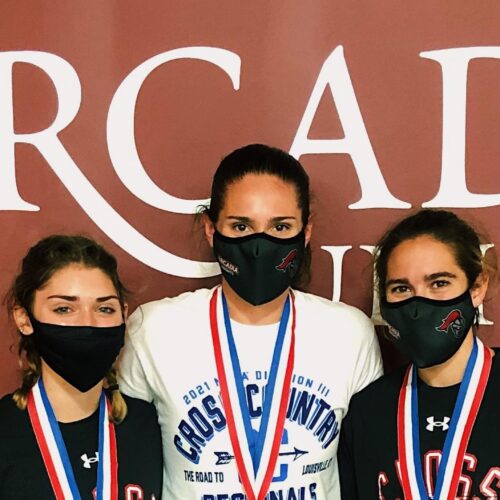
(454, 321)
(287, 261)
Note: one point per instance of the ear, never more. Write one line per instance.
(308, 230)
(209, 229)
(22, 320)
(125, 311)
(479, 289)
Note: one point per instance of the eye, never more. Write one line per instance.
(107, 309)
(240, 227)
(440, 283)
(281, 227)
(399, 289)
(62, 310)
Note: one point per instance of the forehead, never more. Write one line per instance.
(78, 280)
(421, 256)
(259, 191)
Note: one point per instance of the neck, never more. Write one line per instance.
(248, 314)
(68, 403)
(452, 371)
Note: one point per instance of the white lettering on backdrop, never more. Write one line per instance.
(356, 143)
(68, 91)
(120, 129)
(334, 73)
(453, 190)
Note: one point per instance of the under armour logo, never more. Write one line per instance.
(88, 461)
(431, 423)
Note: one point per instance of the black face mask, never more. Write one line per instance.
(427, 331)
(259, 267)
(81, 355)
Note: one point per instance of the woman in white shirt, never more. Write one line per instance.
(251, 379)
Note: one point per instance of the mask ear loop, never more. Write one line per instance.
(475, 322)
(477, 315)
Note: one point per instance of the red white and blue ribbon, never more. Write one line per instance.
(469, 399)
(55, 455)
(255, 452)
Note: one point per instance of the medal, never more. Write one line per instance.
(462, 421)
(55, 455)
(255, 453)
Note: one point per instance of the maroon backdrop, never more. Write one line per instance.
(189, 113)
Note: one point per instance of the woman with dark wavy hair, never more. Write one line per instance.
(68, 432)
(430, 429)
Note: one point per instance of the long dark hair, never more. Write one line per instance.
(262, 159)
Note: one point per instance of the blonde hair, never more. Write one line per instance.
(31, 368)
(118, 404)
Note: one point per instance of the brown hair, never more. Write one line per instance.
(443, 226)
(262, 159)
(42, 261)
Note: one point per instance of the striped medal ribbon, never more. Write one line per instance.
(255, 452)
(54, 453)
(467, 405)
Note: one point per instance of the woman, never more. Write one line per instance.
(252, 378)
(67, 432)
(429, 430)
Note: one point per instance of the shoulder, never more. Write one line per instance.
(8, 407)
(141, 423)
(495, 365)
(140, 411)
(11, 417)
(172, 305)
(310, 303)
(139, 439)
(379, 393)
(336, 314)
(496, 361)
(188, 307)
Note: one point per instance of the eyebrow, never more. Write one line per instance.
(429, 277)
(279, 218)
(442, 274)
(74, 298)
(397, 281)
(69, 298)
(106, 298)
